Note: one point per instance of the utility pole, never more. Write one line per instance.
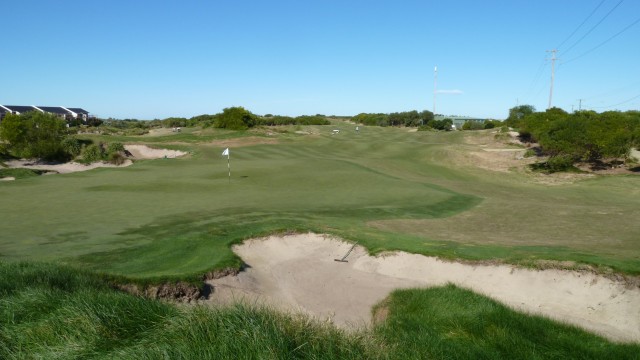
(435, 87)
(553, 62)
(579, 104)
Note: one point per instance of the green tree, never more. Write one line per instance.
(235, 118)
(34, 135)
(517, 113)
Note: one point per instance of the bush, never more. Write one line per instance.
(72, 146)
(34, 135)
(117, 158)
(235, 118)
(92, 153)
(472, 125)
(115, 147)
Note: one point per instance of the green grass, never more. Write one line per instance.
(52, 312)
(20, 173)
(57, 312)
(384, 187)
(452, 323)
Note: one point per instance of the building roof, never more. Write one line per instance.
(54, 110)
(79, 110)
(20, 108)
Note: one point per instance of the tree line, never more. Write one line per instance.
(239, 118)
(581, 136)
(406, 118)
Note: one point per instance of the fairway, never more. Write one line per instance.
(384, 187)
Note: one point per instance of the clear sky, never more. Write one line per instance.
(154, 59)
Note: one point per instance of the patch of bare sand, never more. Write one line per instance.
(145, 152)
(63, 168)
(298, 272)
(137, 151)
(7, 178)
(160, 132)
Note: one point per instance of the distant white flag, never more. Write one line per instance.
(225, 152)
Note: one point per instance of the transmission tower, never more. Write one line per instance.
(553, 62)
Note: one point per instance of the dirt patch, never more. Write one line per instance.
(298, 272)
(180, 291)
(244, 141)
(8, 178)
(160, 132)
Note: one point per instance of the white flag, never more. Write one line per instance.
(225, 152)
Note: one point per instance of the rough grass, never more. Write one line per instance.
(56, 312)
(449, 322)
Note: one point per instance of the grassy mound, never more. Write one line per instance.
(49, 311)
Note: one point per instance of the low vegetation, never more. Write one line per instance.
(582, 136)
(49, 311)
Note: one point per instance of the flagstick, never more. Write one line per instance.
(229, 166)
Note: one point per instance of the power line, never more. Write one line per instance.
(601, 95)
(536, 78)
(579, 26)
(604, 42)
(594, 27)
(618, 104)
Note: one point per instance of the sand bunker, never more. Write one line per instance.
(137, 152)
(63, 168)
(145, 152)
(298, 272)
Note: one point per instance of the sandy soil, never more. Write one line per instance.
(63, 168)
(145, 152)
(298, 273)
(138, 152)
(8, 178)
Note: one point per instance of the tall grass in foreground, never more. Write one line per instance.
(449, 322)
(53, 312)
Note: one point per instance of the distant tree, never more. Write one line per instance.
(174, 122)
(472, 125)
(235, 118)
(444, 124)
(517, 113)
(426, 116)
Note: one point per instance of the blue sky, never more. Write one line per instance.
(155, 59)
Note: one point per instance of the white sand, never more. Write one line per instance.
(138, 152)
(298, 272)
(8, 178)
(145, 152)
(63, 168)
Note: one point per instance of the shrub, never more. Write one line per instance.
(72, 146)
(116, 158)
(115, 147)
(92, 153)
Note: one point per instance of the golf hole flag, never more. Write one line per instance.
(226, 153)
